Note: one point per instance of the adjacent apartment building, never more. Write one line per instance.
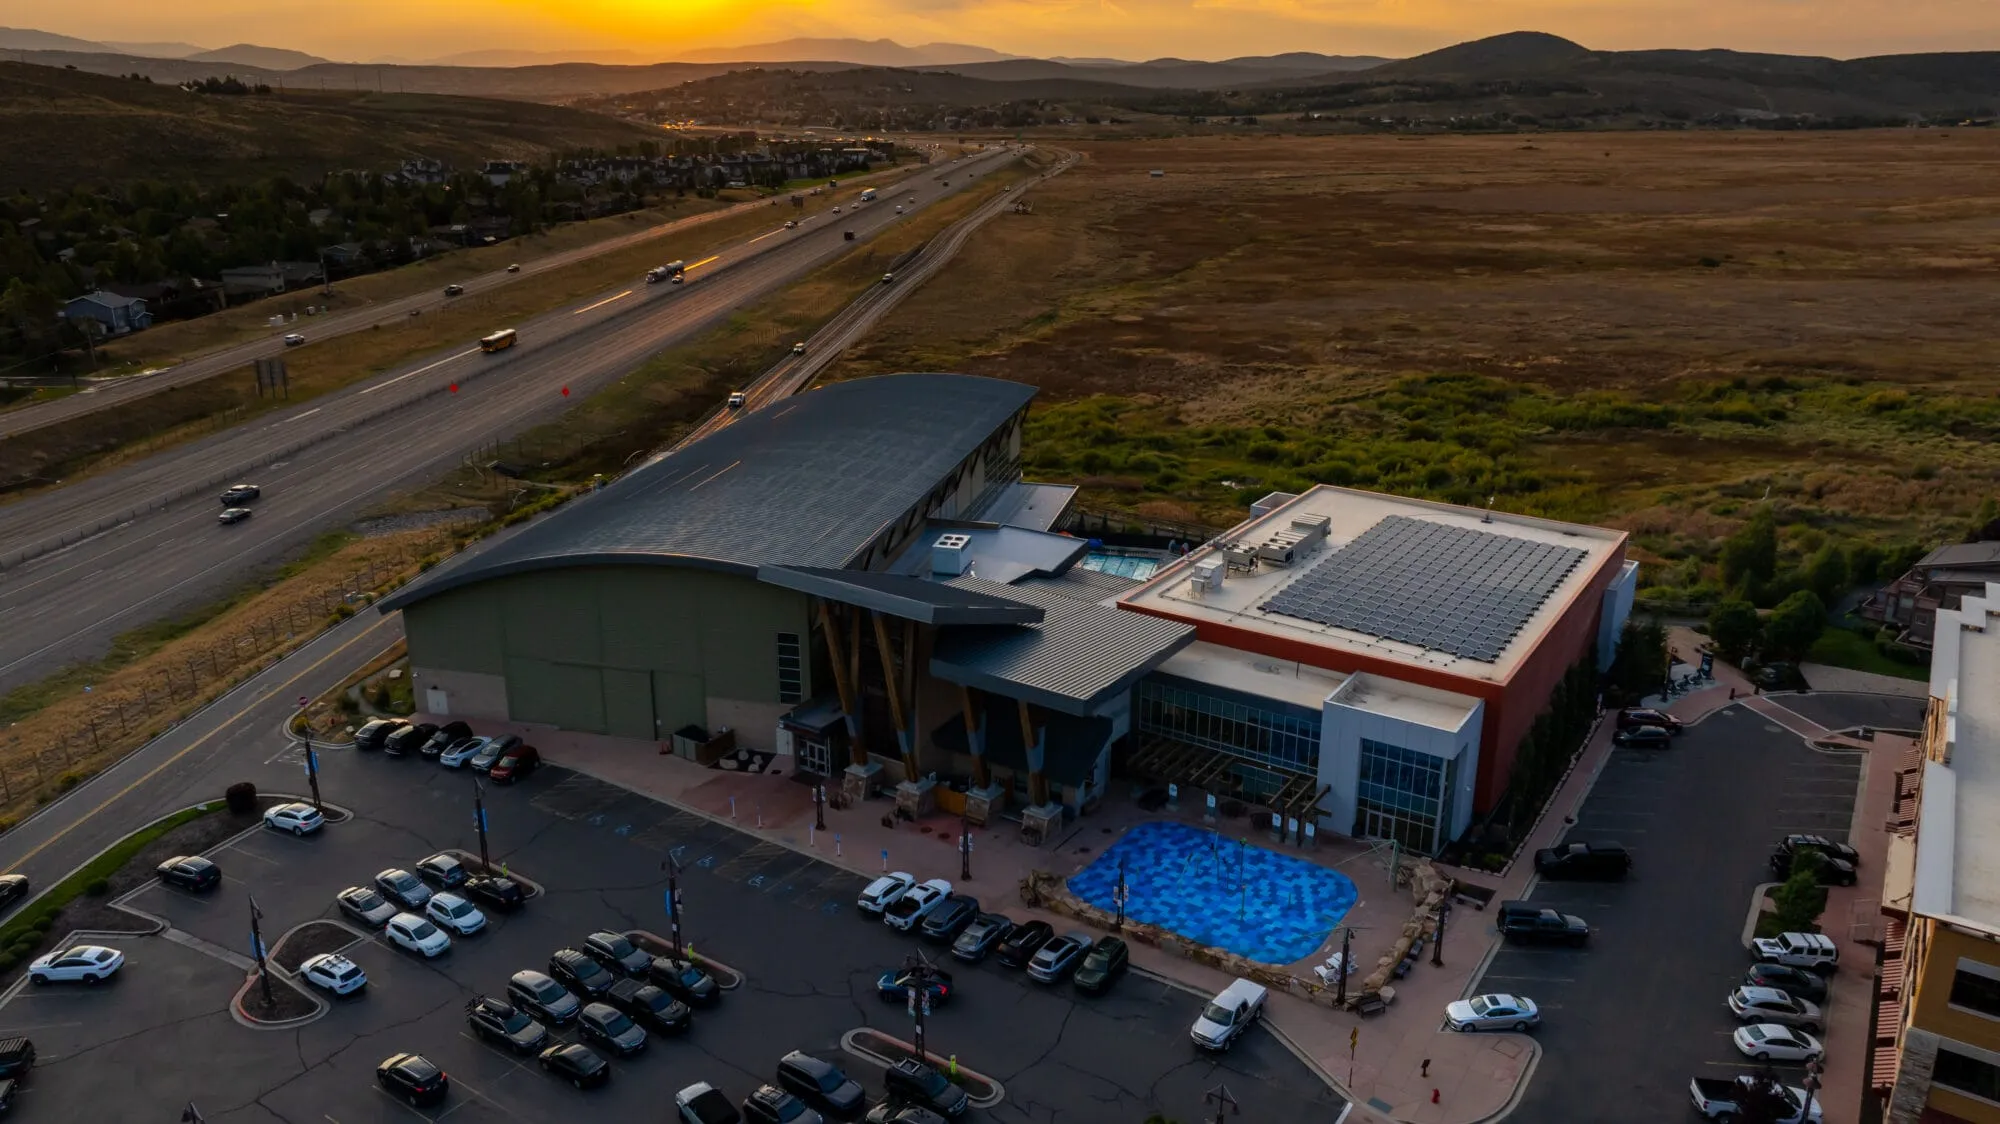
(1938, 1028)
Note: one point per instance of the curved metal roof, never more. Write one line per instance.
(806, 481)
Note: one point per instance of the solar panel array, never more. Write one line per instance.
(1445, 588)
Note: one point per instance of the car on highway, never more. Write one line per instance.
(503, 894)
(293, 339)
(948, 919)
(981, 936)
(13, 887)
(407, 739)
(543, 997)
(89, 963)
(513, 269)
(403, 888)
(1795, 982)
(374, 731)
(702, 1103)
(1026, 940)
(502, 1023)
(1770, 1005)
(836, 210)
(768, 1104)
(894, 986)
(454, 914)
(454, 290)
(1102, 965)
(618, 954)
(443, 737)
(737, 399)
(685, 981)
(580, 973)
(822, 1084)
(791, 224)
(611, 1028)
(899, 208)
(799, 348)
(233, 515)
(1493, 1012)
(236, 495)
(883, 892)
(913, 1081)
(333, 972)
(496, 748)
(909, 911)
(190, 872)
(366, 906)
(299, 819)
(463, 752)
(888, 278)
(515, 764)
(1055, 960)
(581, 1066)
(1769, 1042)
(413, 1078)
(418, 935)
(651, 1006)
(443, 870)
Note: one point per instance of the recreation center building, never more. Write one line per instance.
(858, 578)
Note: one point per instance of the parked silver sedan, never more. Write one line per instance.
(1493, 1012)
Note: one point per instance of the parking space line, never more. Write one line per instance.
(399, 1104)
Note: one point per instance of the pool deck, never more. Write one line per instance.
(1474, 1078)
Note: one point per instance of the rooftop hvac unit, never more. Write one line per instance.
(1208, 576)
(1314, 528)
(1240, 555)
(951, 555)
(1277, 552)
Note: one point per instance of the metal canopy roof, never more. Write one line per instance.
(1080, 656)
(808, 481)
(901, 595)
(1437, 586)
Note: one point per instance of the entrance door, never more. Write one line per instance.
(813, 755)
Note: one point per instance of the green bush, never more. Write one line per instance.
(98, 887)
(7, 961)
(241, 798)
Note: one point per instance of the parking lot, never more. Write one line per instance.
(785, 920)
(1628, 1020)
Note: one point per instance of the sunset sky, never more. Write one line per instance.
(361, 30)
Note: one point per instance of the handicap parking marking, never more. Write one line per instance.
(752, 860)
(622, 830)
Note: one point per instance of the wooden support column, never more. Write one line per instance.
(850, 705)
(891, 683)
(974, 743)
(1038, 784)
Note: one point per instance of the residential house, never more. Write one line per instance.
(1937, 582)
(1937, 1048)
(500, 172)
(253, 280)
(116, 315)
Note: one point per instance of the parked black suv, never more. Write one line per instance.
(1781, 855)
(442, 736)
(374, 731)
(1643, 737)
(951, 915)
(1543, 926)
(496, 1021)
(1595, 862)
(408, 739)
(579, 973)
(912, 1080)
(652, 1006)
(618, 953)
(17, 1056)
(822, 1084)
(1024, 942)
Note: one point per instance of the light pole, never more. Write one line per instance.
(819, 807)
(257, 946)
(673, 868)
(1225, 1105)
(1437, 946)
(917, 977)
(312, 774)
(1811, 1084)
(479, 821)
(1119, 895)
(192, 1115)
(965, 843)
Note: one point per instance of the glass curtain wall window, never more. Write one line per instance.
(1404, 795)
(1260, 730)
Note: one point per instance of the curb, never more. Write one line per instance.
(250, 1022)
(1756, 910)
(849, 1042)
(715, 967)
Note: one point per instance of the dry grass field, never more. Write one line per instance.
(1645, 330)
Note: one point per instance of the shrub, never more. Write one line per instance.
(7, 961)
(97, 887)
(242, 798)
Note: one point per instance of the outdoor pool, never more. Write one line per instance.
(1135, 566)
(1254, 902)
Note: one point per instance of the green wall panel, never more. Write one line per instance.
(561, 694)
(628, 703)
(458, 630)
(678, 700)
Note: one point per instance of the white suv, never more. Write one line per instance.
(883, 892)
(1814, 951)
(418, 935)
(909, 911)
(1769, 1005)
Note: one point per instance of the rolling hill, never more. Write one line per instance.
(250, 54)
(141, 130)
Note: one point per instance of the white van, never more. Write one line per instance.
(1228, 1015)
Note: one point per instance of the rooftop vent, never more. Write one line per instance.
(951, 555)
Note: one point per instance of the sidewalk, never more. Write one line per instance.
(1474, 1077)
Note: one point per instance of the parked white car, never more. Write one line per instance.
(909, 911)
(462, 752)
(299, 819)
(91, 963)
(455, 913)
(1493, 1012)
(1769, 1042)
(334, 972)
(883, 892)
(1770, 1005)
(418, 935)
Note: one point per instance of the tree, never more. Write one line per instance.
(1792, 627)
(1751, 554)
(1735, 628)
(1985, 522)
(1826, 573)
(1641, 664)
(1800, 899)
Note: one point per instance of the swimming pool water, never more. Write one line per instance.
(1219, 891)
(1135, 566)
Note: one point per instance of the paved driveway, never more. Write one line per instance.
(784, 919)
(1631, 1018)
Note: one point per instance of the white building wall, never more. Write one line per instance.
(1618, 597)
(1344, 725)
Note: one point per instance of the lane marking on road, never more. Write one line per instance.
(761, 237)
(294, 417)
(602, 303)
(421, 370)
(702, 262)
(197, 743)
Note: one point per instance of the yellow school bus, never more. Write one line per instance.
(498, 341)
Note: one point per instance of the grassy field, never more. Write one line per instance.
(1649, 331)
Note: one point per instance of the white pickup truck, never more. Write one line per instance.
(1723, 1099)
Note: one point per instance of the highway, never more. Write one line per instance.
(140, 542)
(320, 331)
